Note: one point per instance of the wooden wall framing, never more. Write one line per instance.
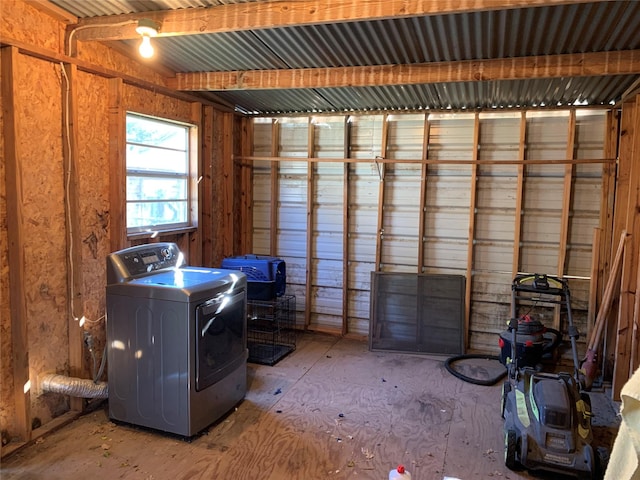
(19, 336)
(72, 213)
(82, 170)
(381, 164)
(627, 208)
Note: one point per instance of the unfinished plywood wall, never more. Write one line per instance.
(93, 190)
(482, 195)
(62, 203)
(45, 254)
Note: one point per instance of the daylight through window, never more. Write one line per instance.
(157, 174)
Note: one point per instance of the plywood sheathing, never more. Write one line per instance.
(39, 108)
(22, 22)
(93, 193)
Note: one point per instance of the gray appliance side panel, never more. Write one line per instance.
(150, 356)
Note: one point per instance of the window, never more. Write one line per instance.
(158, 193)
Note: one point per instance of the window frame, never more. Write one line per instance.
(151, 231)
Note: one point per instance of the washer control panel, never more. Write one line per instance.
(142, 260)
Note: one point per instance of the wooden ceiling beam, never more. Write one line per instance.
(546, 66)
(285, 13)
(53, 10)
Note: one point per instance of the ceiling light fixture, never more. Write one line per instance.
(146, 29)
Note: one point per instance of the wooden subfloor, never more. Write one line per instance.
(330, 410)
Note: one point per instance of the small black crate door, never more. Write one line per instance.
(417, 313)
(271, 330)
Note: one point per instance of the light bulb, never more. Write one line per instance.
(146, 49)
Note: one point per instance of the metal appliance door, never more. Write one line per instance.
(221, 336)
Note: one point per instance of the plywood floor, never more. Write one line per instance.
(330, 410)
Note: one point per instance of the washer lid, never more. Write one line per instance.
(186, 277)
(181, 284)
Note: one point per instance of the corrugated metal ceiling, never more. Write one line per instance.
(551, 30)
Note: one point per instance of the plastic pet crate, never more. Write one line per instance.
(271, 330)
(266, 276)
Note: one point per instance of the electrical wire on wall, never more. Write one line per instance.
(96, 25)
(60, 383)
(96, 373)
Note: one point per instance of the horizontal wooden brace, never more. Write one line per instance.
(625, 62)
(431, 161)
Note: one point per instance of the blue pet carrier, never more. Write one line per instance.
(266, 276)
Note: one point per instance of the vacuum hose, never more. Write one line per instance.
(74, 387)
(448, 364)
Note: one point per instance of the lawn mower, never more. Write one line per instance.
(547, 416)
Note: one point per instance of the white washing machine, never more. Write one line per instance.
(176, 340)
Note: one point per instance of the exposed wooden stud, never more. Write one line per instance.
(117, 167)
(346, 148)
(473, 199)
(381, 192)
(565, 215)
(607, 209)
(275, 188)
(224, 128)
(622, 173)
(196, 148)
(75, 283)
(626, 62)
(246, 189)
(310, 223)
(423, 193)
(628, 285)
(287, 13)
(222, 187)
(206, 202)
(517, 228)
(607, 199)
(566, 196)
(593, 281)
(15, 236)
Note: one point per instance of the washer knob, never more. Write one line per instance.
(166, 253)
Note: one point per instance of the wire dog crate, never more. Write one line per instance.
(271, 330)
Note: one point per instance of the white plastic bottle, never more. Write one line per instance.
(399, 473)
